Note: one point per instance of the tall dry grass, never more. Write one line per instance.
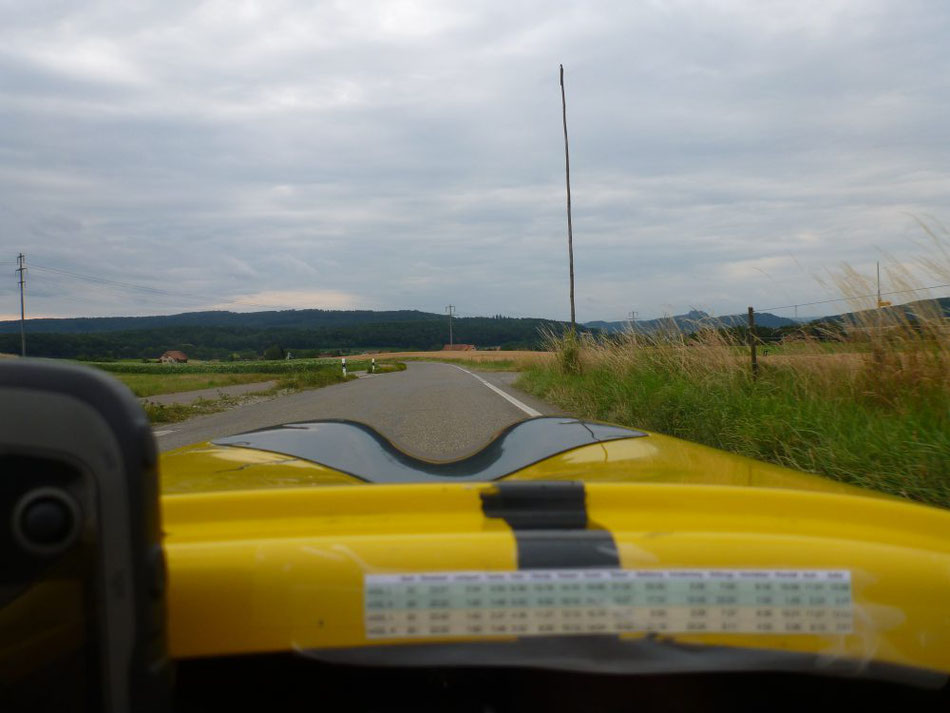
(866, 402)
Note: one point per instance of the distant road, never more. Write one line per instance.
(437, 411)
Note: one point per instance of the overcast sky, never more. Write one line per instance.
(389, 155)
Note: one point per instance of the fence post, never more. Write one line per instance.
(755, 363)
(344, 367)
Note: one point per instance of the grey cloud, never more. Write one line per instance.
(409, 155)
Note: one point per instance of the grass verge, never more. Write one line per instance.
(282, 366)
(867, 404)
(143, 385)
(900, 450)
(389, 367)
(172, 413)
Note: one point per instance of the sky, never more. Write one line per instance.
(409, 155)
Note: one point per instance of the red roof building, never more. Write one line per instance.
(173, 356)
(458, 348)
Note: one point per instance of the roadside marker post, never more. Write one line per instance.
(372, 366)
(755, 363)
(344, 367)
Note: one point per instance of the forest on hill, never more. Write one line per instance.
(210, 342)
(271, 319)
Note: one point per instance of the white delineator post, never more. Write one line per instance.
(344, 367)
(372, 366)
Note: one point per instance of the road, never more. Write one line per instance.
(436, 411)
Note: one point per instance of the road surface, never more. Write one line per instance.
(436, 411)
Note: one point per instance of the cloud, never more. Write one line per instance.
(290, 299)
(408, 154)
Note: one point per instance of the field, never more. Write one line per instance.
(282, 366)
(151, 379)
(153, 384)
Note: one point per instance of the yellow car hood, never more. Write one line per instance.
(272, 458)
(640, 543)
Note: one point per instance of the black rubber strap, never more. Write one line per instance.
(551, 526)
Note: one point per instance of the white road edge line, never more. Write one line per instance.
(161, 433)
(508, 397)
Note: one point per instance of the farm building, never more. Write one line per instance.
(458, 348)
(173, 356)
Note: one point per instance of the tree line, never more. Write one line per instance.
(204, 342)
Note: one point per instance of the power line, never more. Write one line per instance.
(450, 309)
(106, 281)
(855, 297)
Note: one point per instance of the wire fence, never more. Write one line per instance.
(855, 297)
(204, 299)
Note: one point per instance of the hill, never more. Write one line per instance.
(274, 319)
(693, 321)
(939, 305)
(214, 342)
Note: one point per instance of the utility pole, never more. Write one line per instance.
(752, 355)
(878, 284)
(632, 318)
(450, 310)
(567, 172)
(880, 302)
(21, 268)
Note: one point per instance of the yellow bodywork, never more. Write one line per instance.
(269, 553)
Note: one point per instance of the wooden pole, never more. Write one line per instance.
(755, 363)
(567, 172)
(21, 268)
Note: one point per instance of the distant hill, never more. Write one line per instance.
(282, 319)
(909, 310)
(693, 321)
(220, 335)
(214, 342)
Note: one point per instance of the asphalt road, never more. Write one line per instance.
(435, 411)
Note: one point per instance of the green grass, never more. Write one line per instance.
(153, 384)
(150, 379)
(282, 366)
(881, 424)
(389, 367)
(170, 413)
(310, 379)
(313, 379)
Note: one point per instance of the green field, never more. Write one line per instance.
(282, 366)
(150, 379)
(153, 384)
